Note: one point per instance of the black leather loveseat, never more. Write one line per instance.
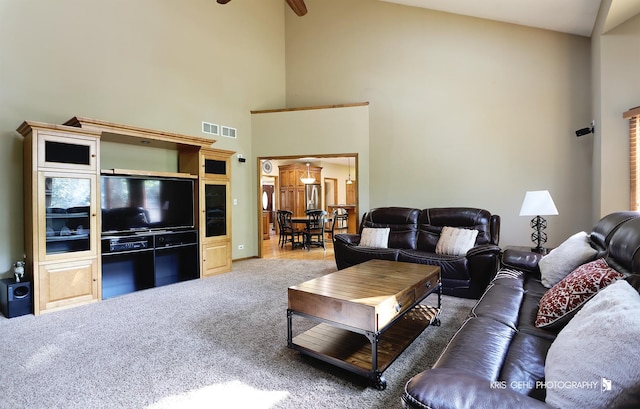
(497, 358)
(413, 238)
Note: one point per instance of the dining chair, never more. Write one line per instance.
(314, 233)
(288, 232)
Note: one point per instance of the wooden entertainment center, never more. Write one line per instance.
(70, 261)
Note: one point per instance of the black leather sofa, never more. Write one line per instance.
(413, 236)
(499, 344)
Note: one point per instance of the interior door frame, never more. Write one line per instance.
(258, 205)
(335, 191)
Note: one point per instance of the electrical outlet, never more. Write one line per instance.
(240, 246)
(235, 202)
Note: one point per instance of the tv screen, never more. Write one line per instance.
(131, 203)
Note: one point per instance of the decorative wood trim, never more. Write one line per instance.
(224, 152)
(113, 132)
(135, 172)
(25, 129)
(349, 105)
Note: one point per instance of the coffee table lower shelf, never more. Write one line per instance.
(353, 349)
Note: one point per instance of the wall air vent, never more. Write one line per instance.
(228, 132)
(210, 128)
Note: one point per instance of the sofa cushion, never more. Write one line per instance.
(533, 292)
(372, 237)
(562, 260)
(501, 302)
(523, 367)
(599, 346)
(401, 221)
(452, 267)
(560, 303)
(433, 220)
(479, 346)
(456, 242)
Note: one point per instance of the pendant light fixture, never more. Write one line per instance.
(349, 181)
(309, 179)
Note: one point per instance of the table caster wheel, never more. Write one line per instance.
(436, 322)
(380, 383)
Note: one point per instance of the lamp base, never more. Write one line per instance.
(539, 237)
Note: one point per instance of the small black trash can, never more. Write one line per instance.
(15, 298)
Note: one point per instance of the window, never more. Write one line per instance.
(634, 190)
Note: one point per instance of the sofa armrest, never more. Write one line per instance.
(483, 249)
(495, 229)
(521, 260)
(447, 388)
(347, 238)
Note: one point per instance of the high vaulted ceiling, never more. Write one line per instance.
(567, 16)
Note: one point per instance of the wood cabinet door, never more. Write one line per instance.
(287, 178)
(352, 189)
(299, 199)
(66, 284)
(287, 199)
(216, 258)
(316, 173)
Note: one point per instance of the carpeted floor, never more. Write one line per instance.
(219, 342)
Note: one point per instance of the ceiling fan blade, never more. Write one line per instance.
(297, 6)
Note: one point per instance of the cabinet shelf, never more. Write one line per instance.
(68, 238)
(67, 215)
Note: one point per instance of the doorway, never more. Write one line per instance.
(268, 209)
(330, 192)
(336, 169)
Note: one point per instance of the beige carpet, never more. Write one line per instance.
(219, 342)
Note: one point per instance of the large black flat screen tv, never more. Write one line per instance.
(138, 203)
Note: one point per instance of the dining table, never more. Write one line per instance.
(306, 220)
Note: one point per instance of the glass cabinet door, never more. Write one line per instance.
(215, 207)
(68, 213)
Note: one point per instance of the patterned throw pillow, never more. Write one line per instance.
(455, 241)
(563, 300)
(374, 237)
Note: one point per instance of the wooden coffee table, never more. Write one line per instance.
(368, 314)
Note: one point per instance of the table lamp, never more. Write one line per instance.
(538, 203)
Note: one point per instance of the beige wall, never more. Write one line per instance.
(160, 64)
(617, 81)
(463, 111)
(314, 132)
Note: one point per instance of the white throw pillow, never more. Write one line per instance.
(455, 241)
(572, 253)
(593, 363)
(374, 237)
